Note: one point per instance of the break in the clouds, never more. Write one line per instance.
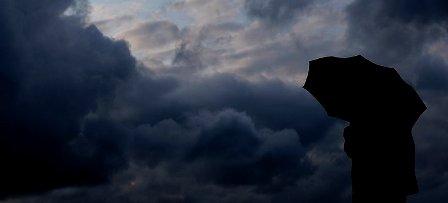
(162, 33)
(198, 101)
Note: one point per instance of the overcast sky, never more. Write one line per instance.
(201, 100)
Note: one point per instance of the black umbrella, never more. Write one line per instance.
(355, 89)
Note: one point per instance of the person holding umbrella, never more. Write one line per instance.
(381, 109)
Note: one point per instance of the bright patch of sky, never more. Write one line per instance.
(106, 9)
(217, 36)
(145, 10)
(118, 18)
(139, 10)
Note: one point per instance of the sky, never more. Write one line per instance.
(201, 100)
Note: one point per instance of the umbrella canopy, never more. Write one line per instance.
(355, 89)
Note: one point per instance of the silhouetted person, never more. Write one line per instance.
(382, 155)
(381, 109)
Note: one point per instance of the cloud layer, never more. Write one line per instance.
(208, 112)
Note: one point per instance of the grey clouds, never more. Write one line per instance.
(83, 120)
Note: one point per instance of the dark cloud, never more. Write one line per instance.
(275, 11)
(414, 11)
(76, 105)
(81, 121)
(226, 149)
(395, 31)
(229, 151)
(433, 74)
(54, 73)
(212, 156)
(329, 176)
(278, 105)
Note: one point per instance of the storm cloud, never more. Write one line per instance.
(76, 104)
(54, 73)
(208, 112)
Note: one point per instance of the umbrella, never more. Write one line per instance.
(355, 89)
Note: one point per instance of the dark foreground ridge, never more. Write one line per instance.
(381, 109)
